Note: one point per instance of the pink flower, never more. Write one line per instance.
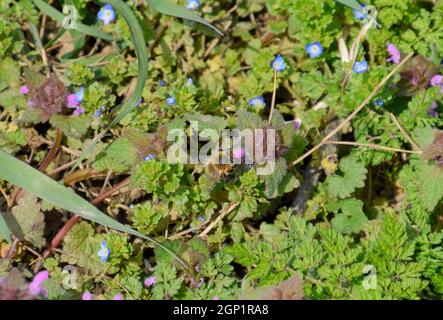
(437, 80)
(72, 101)
(36, 286)
(87, 295)
(216, 298)
(297, 124)
(238, 153)
(149, 281)
(24, 90)
(118, 297)
(78, 111)
(395, 54)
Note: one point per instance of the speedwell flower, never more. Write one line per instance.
(149, 157)
(297, 124)
(104, 252)
(171, 100)
(314, 50)
(360, 66)
(361, 15)
(433, 110)
(437, 80)
(257, 101)
(379, 102)
(193, 4)
(106, 14)
(278, 64)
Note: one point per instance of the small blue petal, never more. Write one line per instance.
(314, 50)
(257, 102)
(379, 102)
(98, 114)
(104, 252)
(106, 14)
(360, 66)
(190, 82)
(201, 218)
(278, 63)
(79, 95)
(193, 4)
(149, 157)
(171, 100)
(162, 83)
(361, 15)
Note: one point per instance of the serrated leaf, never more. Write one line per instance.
(354, 175)
(71, 126)
(80, 248)
(28, 221)
(430, 186)
(248, 120)
(273, 180)
(351, 219)
(207, 121)
(119, 157)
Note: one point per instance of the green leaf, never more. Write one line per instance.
(354, 175)
(273, 181)
(58, 16)
(40, 185)
(4, 229)
(74, 127)
(430, 186)
(207, 121)
(27, 220)
(248, 120)
(119, 157)
(352, 218)
(166, 7)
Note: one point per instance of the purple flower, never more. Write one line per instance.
(201, 218)
(78, 111)
(395, 54)
(118, 297)
(433, 110)
(193, 4)
(257, 101)
(86, 295)
(196, 284)
(360, 66)
(24, 89)
(216, 298)
(74, 100)
(36, 286)
(104, 252)
(149, 281)
(314, 50)
(278, 64)
(361, 15)
(106, 14)
(437, 80)
(162, 83)
(171, 100)
(297, 124)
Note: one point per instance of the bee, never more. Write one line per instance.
(215, 170)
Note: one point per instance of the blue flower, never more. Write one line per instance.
(360, 66)
(106, 14)
(149, 157)
(361, 15)
(379, 102)
(98, 113)
(201, 218)
(162, 83)
(190, 82)
(257, 101)
(171, 100)
(104, 252)
(314, 50)
(80, 94)
(278, 64)
(193, 4)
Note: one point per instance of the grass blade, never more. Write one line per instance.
(351, 3)
(58, 16)
(171, 9)
(142, 58)
(40, 185)
(4, 229)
